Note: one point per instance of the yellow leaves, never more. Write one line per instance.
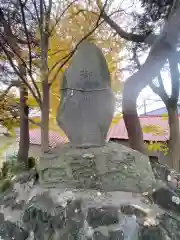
(153, 129)
(31, 102)
(54, 127)
(36, 120)
(165, 116)
(99, 3)
(116, 119)
(8, 121)
(116, 85)
(74, 25)
(157, 147)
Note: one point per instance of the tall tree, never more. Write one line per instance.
(169, 101)
(171, 105)
(30, 52)
(161, 48)
(8, 38)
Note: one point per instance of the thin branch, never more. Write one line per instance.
(36, 10)
(3, 21)
(26, 33)
(12, 42)
(33, 122)
(44, 4)
(61, 15)
(102, 10)
(175, 75)
(148, 38)
(135, 58)
(58, 51)
(15, 84)
(16, 52)
(48, 13)
(160, 90)
(68, 57)
(18, 74)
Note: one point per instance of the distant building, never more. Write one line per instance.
(55, 140)
(118, 133)
(159, 112)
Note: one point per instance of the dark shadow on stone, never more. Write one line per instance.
(99, 236)
(102, 216)
(166, 198)
(151, 233)
(116, 235)
(9, 230)
(132, 210)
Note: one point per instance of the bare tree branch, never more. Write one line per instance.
(33, 122)
(61, 15)
(18, 74)
(69, 56)
(148, 38)
(175, 75)
(135, 57)
(160, 90)
(36, 10)
(16, 52)
(14, 84)
(26, 33)
(12, 43)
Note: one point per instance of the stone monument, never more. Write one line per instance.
(87, 106)
(85, 114)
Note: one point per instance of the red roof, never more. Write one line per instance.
(119, 130)
(54, 138)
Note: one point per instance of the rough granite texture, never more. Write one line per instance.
(87, 101)
(112, 167)
(32, 212)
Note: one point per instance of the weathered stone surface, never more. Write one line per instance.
(170, 176)
(116, 235)
(87, 105)
(151, 233)
(76, 215)
(112, 167)
(167, 199)
(102, 216)
(34, 212)
(9, 231)
(129, 209)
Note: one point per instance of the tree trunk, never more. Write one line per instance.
(174, 138)
(44, 44)
(162, 50)
(45, 93)
(134, 128)
(24, 127)
(45, 118)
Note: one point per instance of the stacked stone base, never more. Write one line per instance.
(34, 213)
(112, 167)
(90, 194)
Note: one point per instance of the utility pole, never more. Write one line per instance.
(145, 107)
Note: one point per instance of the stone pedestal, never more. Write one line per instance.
(112, 167)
